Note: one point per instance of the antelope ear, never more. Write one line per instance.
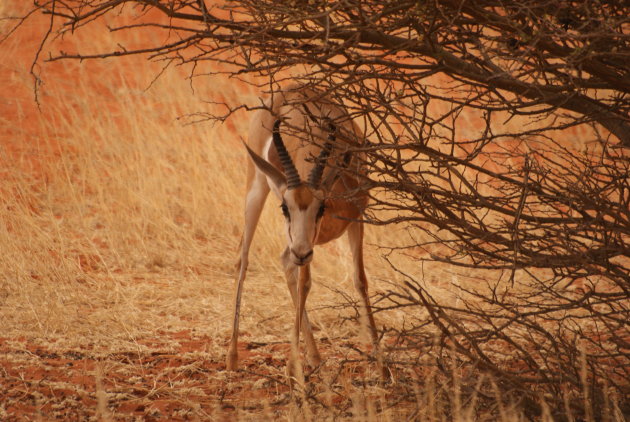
(270, 171)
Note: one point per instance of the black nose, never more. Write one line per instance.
(304, 257)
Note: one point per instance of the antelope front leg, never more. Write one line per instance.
(291, 272)
(303, 288)
(254, 203)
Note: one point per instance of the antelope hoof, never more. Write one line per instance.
(231, 361)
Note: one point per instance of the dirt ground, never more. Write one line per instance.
(178, 382)
(170, 377)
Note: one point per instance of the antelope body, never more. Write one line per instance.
(297, 144)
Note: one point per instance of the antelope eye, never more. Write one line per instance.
(320, 211)
(285, 210)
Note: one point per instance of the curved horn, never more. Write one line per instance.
(293, 178)
(314, 179)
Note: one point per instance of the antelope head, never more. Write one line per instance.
(302, 202)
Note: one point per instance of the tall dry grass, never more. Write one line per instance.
(119, 219)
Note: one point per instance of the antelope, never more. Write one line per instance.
(316, 210)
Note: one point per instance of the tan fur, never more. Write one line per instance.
(340, 212)
(303, 196)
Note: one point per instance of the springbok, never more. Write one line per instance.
(285, 145)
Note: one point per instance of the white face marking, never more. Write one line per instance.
(303, 211)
